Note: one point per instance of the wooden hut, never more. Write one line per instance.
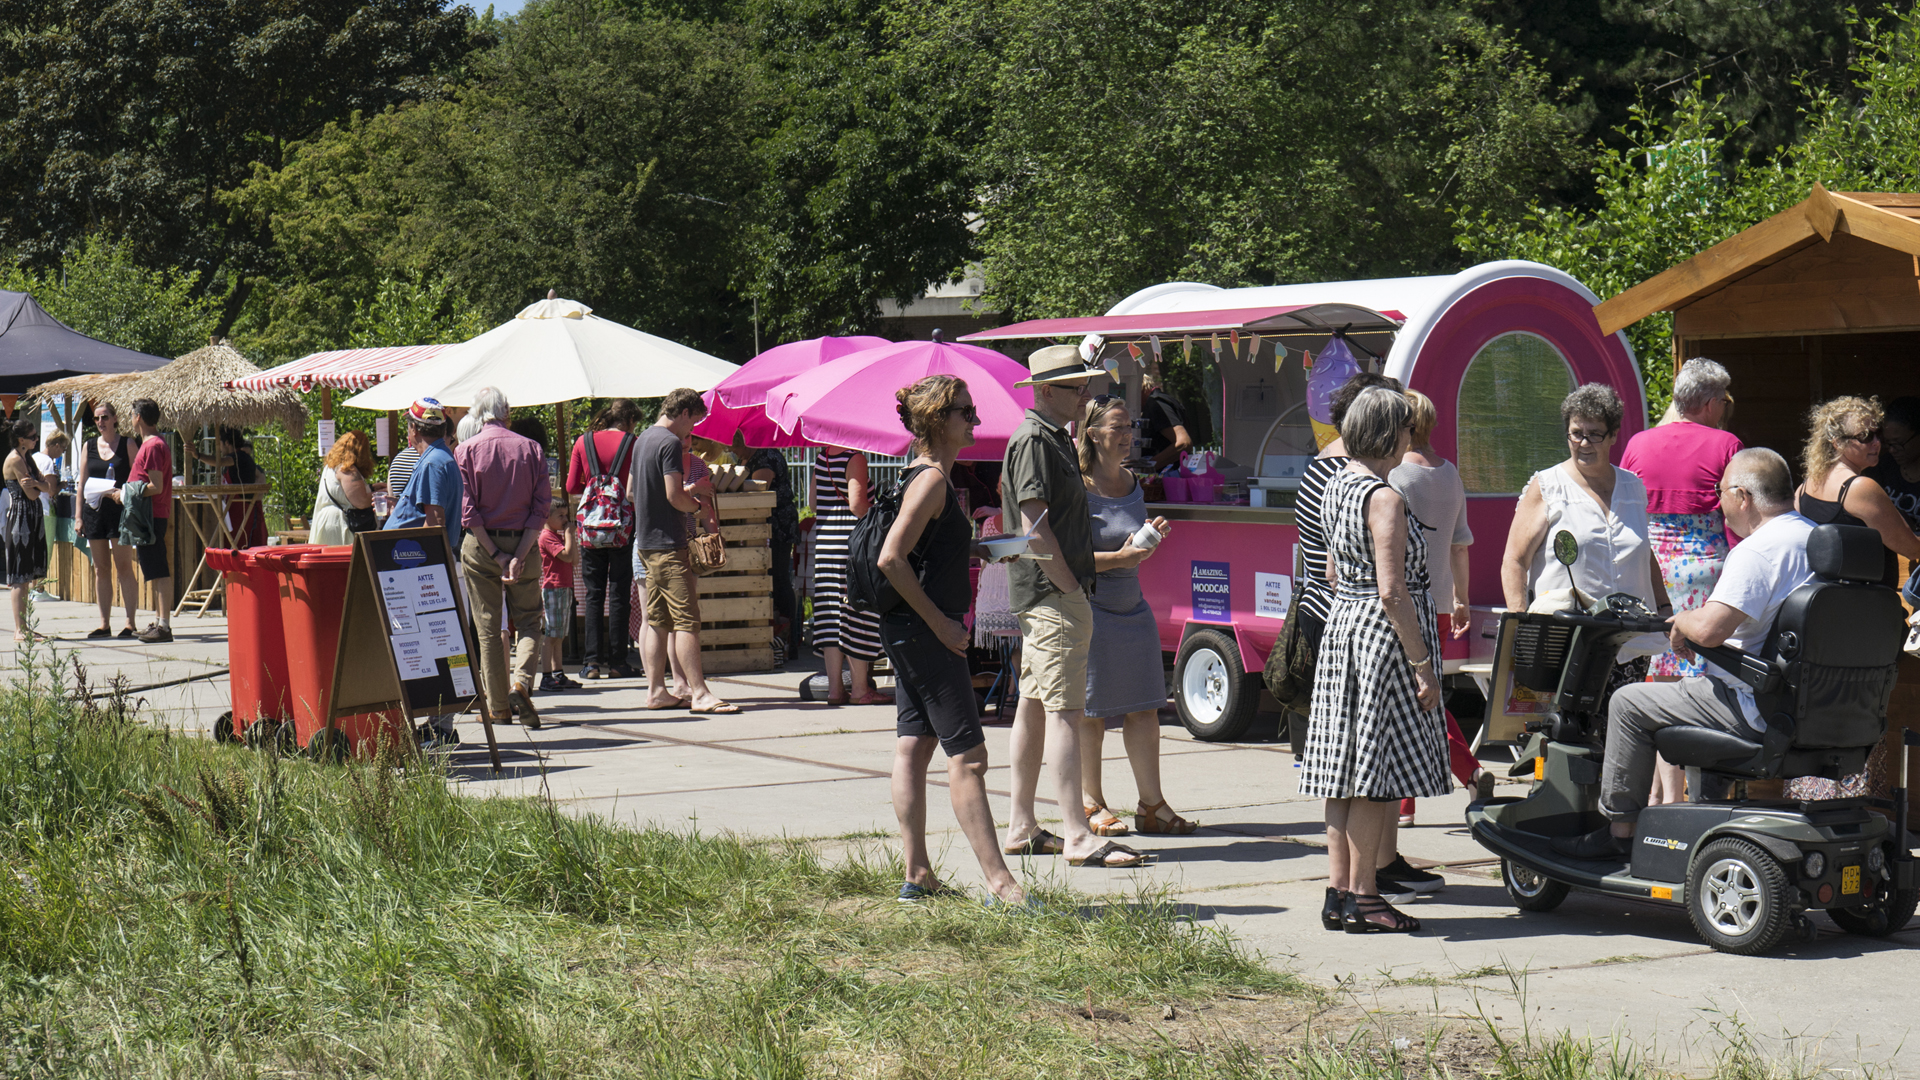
(1819, 300)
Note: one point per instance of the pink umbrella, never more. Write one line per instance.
(734, 404)
(849, 402)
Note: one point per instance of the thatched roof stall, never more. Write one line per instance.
(192, 391)
(115, 389)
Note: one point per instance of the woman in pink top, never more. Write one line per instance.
(1680, 463)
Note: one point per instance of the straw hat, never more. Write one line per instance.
(1057, 363)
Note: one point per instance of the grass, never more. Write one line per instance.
(173, 908)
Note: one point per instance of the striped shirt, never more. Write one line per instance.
(1308, 507)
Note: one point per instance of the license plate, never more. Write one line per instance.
(1850, 879)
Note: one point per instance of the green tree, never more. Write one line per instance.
(128, 116)
(605, 156)
(98, 289)
(1247, 142)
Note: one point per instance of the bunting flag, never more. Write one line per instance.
(1186, 347)
(1254, 353)
(1306, 359)
(1216, 346)
(1133, 350)
(1233, 339)
(1153, 340)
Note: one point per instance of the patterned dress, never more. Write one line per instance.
(836, 625)
(1691, 550)
(1369, 737)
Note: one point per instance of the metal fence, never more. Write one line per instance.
(882, 471)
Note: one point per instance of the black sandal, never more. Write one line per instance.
(1103, 858)
(1357, 908)
(1330, 913)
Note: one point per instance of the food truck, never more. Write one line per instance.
(1496, 346)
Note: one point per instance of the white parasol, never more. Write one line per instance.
(553, 350)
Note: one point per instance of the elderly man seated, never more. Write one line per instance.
(1756, 494)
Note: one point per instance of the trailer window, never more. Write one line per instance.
(1509, 422)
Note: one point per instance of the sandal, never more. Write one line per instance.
(1041, 842)
(1148, 822)
(1330, 912)
(101, 632)
(1103, 822)
(718, 708)
(1104, 856)
(1354, 916)
(874, 697)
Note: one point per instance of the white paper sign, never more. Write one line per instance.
(1270, 595)
(441, 631)
(410, 655)
(462, 675)
(383, 436)
(325, 428)
(409, 593)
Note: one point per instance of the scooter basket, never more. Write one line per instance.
(1540, 647)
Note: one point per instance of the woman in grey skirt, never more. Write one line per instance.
(1125, 676)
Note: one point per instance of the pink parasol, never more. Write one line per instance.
(849, 402)
(734, 404)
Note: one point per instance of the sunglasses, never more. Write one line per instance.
(1864, 437)
(971, 414)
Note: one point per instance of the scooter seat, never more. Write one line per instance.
(1706, 748)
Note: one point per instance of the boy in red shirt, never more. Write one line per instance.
(559, 550)
(153, 465)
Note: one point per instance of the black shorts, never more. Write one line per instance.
(153, 557)
(101, 522)
(931, 686)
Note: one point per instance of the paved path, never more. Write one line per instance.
(1598, 966)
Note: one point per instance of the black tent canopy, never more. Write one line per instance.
(35, 347)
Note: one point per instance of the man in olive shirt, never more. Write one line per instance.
(1042, 478)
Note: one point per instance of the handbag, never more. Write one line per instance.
(709, 553)
(1289, 670)
(359, 519)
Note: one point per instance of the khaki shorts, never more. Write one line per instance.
(671, 604)
(1055, 637)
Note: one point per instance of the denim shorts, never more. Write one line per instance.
(932, 690)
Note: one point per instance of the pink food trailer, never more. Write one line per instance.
(1496, 346)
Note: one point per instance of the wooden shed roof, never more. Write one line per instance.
(1889, 219)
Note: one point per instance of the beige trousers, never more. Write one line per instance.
(485, 582)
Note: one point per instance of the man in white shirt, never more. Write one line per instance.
(1756, 495)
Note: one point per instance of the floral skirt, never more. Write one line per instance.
(1691, 550)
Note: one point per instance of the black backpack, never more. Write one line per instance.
(867, 587)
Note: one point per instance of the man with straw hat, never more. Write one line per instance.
(1042, 477)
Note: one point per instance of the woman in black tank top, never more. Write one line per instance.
(100, 524)
(925, 557)
(1843, 443)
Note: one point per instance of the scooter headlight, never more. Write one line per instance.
(1876, 860)
(1814, 865)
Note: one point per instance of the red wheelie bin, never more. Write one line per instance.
(313, 590)
(256, 645)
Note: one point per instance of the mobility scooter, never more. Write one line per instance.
(1747, 870)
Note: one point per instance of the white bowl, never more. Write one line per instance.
(1000, 547)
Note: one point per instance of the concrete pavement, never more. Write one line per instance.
(1597, 967)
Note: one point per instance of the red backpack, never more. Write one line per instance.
(606, 517)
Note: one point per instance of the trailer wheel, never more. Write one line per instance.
(1215, 695)
(223, 727)
(1529, 890)
(1738, 897)
(330, 746)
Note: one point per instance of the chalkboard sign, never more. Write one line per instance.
(405, 641)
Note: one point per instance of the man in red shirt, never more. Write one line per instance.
(153, 465)
(609, 570)
(504, 478)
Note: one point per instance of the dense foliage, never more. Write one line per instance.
(269, 170)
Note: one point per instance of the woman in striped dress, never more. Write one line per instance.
(1378, 735)
(840, 500)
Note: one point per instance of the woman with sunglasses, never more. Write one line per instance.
(1843, 442)
(108, 456)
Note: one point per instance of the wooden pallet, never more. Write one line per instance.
(736, 604)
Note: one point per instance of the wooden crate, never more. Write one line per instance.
(736, 604)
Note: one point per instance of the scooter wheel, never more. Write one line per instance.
(1887, 915)
(1738, 897)
(1530, 890)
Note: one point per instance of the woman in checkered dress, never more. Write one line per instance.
(1377, 734)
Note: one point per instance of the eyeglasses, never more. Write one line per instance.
(1106, 399)
(1864, 437)
(1588, 438)
(1728, 489)
(105, 418)
(972, 414)
(1080, 390)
